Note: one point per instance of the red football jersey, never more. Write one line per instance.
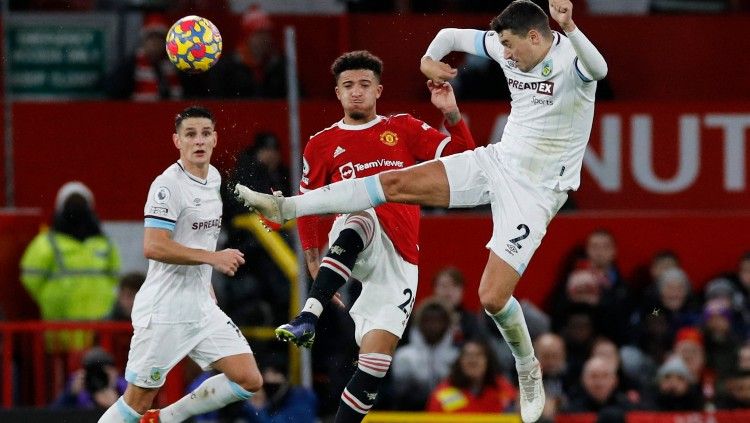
(344, 151)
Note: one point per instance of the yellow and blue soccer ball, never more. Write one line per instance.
(193, 44)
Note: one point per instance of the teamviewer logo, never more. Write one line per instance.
(347, 171)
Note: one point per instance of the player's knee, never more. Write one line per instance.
(492, 300)
(393, 184)
(251, 381)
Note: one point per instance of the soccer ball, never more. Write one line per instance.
(193, 44)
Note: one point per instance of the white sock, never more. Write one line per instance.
(347, 196)
(120, 412)
(512, 326)
(312, 305)
(214, 393)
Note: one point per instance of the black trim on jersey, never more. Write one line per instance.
(559, 37)
(192, 178)
(151, 216)
(484, 45)
(578, 71)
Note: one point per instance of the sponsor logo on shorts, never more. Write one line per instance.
(155, 376)
(389, 138)
(197, 201)
(511, 249)
(336, 249)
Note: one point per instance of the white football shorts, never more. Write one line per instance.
(158, 347)
(389, 283)
(521, 210)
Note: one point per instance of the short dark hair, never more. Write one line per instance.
(458, 378)
(453, 273)
(520, 17)
(191, 112)
(355, 60)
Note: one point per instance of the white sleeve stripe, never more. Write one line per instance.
(304, 190)
(441, 147)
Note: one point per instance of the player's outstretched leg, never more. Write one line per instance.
(213, 394)
(348, 196)
(269, 206)
(512, 325)
(335, 270)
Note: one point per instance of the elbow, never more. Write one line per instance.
(150, 250)
(601, 73)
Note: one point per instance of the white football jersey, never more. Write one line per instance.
(191, 209)
(552, 109)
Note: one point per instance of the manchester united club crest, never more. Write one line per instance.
(389, 138)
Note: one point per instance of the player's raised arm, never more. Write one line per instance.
(590, 60)
(444, 99)
(446, 41)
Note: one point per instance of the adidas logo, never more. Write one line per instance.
(338, 151)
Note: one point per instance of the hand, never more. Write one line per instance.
(436, 71)
(441, 95)
(227, 261)
(562, 12)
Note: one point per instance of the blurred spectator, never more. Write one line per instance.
(280, 402)
(578, 330)
(604, 347)
(660, 317)
(448, 286)
(147, 75)
(690, 348)
(550, 351)
(256, 69)
(474, 384)
(721, 343)
(128, 287)
(616, 304)
(421, 364)
(743, 357)
(258, 293)
(97, 384)
(71, 270)
(737, 392)
(599, 389)
(676, 389)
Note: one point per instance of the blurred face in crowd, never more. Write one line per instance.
(358, 91)
(744, 358)
(673, 385)
(125, 299)
(270, 157)
(583, 287)
(600, 249)
(260, 43)
(550, 351)
(694, 356)
(660, 265)
(153, 46)
(673, 293)
(196, 139)
(717, 320)
(606, 349)
(473, 361)
(599, 378)
(433, 324)
(739, 388)
(579, 329)
(448, 290)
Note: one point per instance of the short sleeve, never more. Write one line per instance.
(162, 204)
(425, 142)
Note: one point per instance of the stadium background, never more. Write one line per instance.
(666, 165)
